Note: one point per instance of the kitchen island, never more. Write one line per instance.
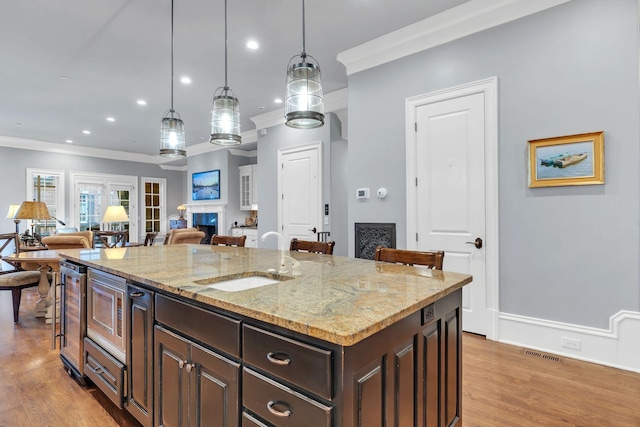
(336, 341)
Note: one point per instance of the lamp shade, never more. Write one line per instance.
(115, 214)
(13, 209)
(33, 210)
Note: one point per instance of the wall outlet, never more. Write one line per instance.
(571, 343)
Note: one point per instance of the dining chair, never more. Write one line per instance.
(218, 240)
(311, 246)
(16, 279)
(431, 260)
(150, 238)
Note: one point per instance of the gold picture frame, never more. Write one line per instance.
(567, 160)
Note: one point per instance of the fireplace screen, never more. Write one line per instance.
(370, 235)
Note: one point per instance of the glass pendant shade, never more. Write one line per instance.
(225, 118)
(304, 108)
(172, 137)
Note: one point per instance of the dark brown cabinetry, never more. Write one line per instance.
(195, 385)
(408, 374)
(140, 318)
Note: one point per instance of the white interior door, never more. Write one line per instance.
(300, 189)
(451, 193)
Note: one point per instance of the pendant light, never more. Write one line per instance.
(172, 138)
(225, 115)
(304, 108)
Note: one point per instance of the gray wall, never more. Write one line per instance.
(229, 183)
(567, 254)
(14, 162)
(279, 137)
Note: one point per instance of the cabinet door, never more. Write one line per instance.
(245, 187)
(171, 379)
(140, 354)
(214, 389)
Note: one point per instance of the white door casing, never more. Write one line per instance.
(299, 192)
(452, 190)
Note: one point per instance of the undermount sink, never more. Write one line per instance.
(243, 282)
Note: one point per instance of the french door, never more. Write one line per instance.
(93, 193)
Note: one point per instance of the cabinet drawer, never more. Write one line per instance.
(215, 330)
(251, 421)
(298, 363)
(105, 371)
(236, 232)
(281, 405)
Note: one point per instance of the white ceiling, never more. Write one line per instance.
(67, 65)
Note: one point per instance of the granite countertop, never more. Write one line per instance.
(337, 299)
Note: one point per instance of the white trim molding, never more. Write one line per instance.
(618, 346)
(452, 24)
(333, 101)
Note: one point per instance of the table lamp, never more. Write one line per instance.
(115, 213)
(33, 211)
(11, 214)
(181, 210)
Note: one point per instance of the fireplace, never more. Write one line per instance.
(369, 235)
(208, 217)
(206, 222)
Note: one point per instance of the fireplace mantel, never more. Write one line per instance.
(218, 208)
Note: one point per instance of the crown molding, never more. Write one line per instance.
(52, 147)
(206, 147)
(333, 101)
(243, 153)
(455, 23)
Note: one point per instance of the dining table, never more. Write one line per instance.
(44, 261)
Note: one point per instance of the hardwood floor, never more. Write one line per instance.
(35, 390)
(503, 386)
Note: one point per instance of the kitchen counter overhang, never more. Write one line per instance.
(338, 299)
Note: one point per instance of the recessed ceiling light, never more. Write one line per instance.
(68, 141)
(252, 44)
(141, 102)
(64, 77)
(278, 101)
(185, 80)
(86, 132)
(261, 108)
(111, 119)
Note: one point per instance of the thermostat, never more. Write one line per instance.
(362, 193)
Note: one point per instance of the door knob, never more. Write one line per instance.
(313, 230)
(477, 243)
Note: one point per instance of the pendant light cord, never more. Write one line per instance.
(172, 110)
(226, 42)
(304, 53)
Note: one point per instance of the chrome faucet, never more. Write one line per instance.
(283, 266)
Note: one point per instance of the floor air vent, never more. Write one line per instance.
(542, 355)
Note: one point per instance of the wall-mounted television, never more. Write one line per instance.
(206, 185)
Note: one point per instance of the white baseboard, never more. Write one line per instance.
(618, 346)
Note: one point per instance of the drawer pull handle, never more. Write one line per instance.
(271, 357)
(285, 413)
(136, 294)
(97, 370)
